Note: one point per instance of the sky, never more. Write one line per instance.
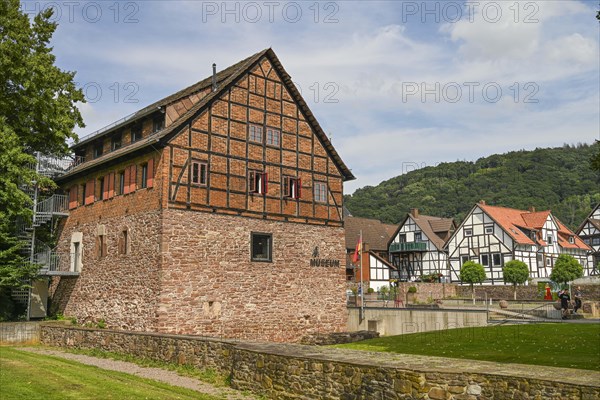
(397, 85)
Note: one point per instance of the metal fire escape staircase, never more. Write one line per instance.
(44, 210)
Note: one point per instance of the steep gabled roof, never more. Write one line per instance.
(512, 221)
(437, 229)
(591, 219)
(226, 79)
(374, 232)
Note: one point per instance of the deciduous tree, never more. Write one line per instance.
(515, 272)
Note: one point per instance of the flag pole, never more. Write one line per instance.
(362, 288)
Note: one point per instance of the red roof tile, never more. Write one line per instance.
(512, 220)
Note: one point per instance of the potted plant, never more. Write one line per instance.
(411, 295)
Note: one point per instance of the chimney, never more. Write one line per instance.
(214, 78)
(365, 247)
(532, 209)
(482, 202)
(414, 212)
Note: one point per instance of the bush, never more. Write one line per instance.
(412, 289)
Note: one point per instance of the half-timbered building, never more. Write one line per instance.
(216, 210)
(371, 267)
(417, 246)
(492, 236)
(589, 232)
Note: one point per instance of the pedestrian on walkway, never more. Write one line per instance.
(564, 297)
(578, 297)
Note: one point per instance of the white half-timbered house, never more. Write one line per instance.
(492, 236)
(589, 232)
(417, 246)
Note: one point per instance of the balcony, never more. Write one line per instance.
(407, 247)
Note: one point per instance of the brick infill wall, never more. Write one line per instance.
(286, 371)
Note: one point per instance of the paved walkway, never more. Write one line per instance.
(157, 374)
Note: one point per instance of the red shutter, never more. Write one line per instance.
(126, 185)
(150, 173)
(298, 188)
(73, 197)
(132, 178)
(89, 192)
(111, 185)
(265, 182)
(105, 187)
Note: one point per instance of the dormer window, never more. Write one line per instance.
(158, 123)
(116, 141)
(136, 133)
(98, 147)
(572, 239)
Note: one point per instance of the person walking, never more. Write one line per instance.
(564, 297)
(577, 300)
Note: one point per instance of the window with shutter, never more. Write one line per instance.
(89, 192)
(150, 176)
(73, 197)
(132, 178)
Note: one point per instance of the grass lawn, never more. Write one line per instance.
(557, 345)
(33, 376)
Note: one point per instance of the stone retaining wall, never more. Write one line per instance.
(529, 292)
(285, 371)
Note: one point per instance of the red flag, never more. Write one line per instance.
(357, 251)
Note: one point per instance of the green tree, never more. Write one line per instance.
(37, 114)
(566, 269)
(472, 272)
(515, 272)
(595, 159)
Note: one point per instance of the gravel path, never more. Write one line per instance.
(157, 374)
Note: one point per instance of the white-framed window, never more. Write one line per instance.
(571, 239)
(292, 187)
(257, 182)
(485, 260)
(463, 260)
(261, 246)
(255, 133)
(548, 262)
(321, 192)
(497, 259)
(418, 237)
(199, 173)
(550, 240)
(273, 137)
(489, 230)
(469, 232)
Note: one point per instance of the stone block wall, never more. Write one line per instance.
(210, 286)
(284, 371)
(530, 292)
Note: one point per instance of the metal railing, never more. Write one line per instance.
(53, 167)
(55, 204)
(408, 246)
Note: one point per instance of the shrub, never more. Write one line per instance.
(412, 289)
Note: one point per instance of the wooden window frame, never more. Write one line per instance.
(158, 123)
(270, 137)
(550, 240)
(320, 195)
(199, 173)
(255, 131)
(258, 182)
(494, 255)
(467, 232)
(420, 239)
(292, 187)
(490, 227)
(144, 177)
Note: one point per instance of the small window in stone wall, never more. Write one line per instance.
(124, 241)
(261, 246)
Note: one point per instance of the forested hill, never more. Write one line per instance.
(559, 179)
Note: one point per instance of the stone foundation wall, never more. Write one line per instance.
(530, 292)
(19, 333)
(284, 371)
(121, 289)
(210, 286)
